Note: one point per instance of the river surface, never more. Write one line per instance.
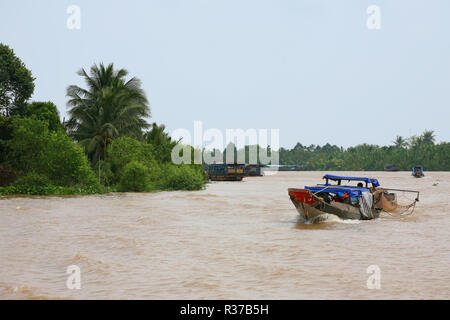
(233, 240)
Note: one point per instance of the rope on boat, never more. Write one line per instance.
(320, 190)
(318, 198)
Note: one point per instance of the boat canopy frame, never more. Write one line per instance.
(331, 177)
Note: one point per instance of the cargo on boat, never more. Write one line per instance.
(363, 200)
(226, 172)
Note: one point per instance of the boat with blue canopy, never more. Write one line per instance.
(417, 172)
(360, 198)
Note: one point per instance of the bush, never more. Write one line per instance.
(163, 176)
(65, 162)
(124, 150)
(135, 177)
(54, 190)
(32, 179)
(183, 177)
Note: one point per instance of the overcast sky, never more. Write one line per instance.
(309, 68)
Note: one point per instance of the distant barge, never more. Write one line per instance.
(226, 172)
(391, 167)
(254, 170)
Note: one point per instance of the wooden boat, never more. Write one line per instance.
(391, 167)
(226, 172)
(363, 201)
(254, 170)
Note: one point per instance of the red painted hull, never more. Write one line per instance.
(301, 195)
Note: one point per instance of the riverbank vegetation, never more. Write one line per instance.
(404, 153)
(105, 145)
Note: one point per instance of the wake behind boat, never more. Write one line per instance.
(363, 201)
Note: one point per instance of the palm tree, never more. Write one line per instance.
(156, 134)
(110, 107)
(161, 141)
(399, 142)
(415, 141)
(428, 137)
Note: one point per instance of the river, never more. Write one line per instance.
(233, 240)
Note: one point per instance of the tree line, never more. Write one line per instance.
(403, 153)
(105, 145)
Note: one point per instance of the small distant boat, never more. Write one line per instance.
(417, 172)
(254, 170)
(288, 168)
(226, 172)
(391, 167)
(363, 201)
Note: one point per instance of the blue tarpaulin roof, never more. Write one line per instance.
(351, 191)
(368, 180)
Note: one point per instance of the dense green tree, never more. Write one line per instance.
(6, 129)
(16, 82)
(45, 111)
(33, 148)
(110, 107)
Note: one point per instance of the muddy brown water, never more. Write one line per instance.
(233, 240)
